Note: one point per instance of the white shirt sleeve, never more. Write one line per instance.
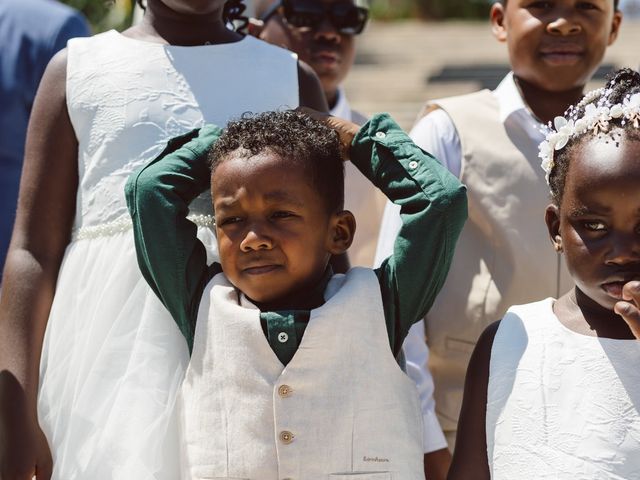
(436, 134)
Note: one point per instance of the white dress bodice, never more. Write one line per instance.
(561, 405)
(127, 98)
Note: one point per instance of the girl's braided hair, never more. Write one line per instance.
(622, 84)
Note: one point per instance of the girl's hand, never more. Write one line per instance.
(629, 307)
(346, 130)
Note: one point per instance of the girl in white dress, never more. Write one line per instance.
(553, 389)
(92, 398)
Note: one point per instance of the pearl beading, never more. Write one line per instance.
(124, 224)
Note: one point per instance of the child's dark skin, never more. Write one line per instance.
(597, 228)
(554, 47)
(49, 184)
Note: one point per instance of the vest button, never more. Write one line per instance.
(286, 437)
(284, 390)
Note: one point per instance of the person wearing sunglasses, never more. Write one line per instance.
(322, 33)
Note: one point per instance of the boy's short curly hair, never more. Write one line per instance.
(293, 136)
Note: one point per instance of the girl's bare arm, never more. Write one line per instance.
(46, 207)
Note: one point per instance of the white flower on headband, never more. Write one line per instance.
(596, 119)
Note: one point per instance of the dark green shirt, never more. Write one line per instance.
(173, 261)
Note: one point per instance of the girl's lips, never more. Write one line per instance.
(614, 289)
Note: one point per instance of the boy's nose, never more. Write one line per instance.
(564, 25)
(326, 30)
(256, 239)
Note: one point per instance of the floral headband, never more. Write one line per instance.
(596, 120)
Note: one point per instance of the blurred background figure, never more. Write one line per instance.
(31, 32)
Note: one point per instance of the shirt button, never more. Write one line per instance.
(413, 164)
(286, 437)
(283, 337)
(284, 390)
(380, 134)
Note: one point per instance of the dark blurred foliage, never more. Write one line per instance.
(105, 14)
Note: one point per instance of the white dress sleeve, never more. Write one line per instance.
(436, 134)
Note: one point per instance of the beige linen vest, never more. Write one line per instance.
(503, 257)
(342, 408)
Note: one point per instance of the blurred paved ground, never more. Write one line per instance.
(395, 60)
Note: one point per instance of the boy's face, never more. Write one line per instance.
(275, 236)
(556, 45)
(597, 225)
(329, 52)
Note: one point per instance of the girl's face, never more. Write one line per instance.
(597, 225)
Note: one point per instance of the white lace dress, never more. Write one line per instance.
(561, 405)
(113, 358)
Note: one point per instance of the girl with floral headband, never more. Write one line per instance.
(553, 389)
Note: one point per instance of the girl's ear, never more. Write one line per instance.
(497, 16)
(341, 232)
(552, 219)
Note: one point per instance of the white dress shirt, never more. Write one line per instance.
(436, 133)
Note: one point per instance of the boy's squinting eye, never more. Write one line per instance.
(540, 5)
(228, 221)
(587, 6)
(282, 214)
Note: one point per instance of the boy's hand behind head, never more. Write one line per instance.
(346, 130)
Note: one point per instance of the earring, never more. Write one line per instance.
(557, 247)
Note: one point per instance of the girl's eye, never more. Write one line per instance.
(595, 226)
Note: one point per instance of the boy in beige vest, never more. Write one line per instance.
(489, 140)
(293, 371)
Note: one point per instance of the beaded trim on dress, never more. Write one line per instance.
(124, 223)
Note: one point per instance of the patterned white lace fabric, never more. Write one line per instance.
(113, 358)
(561, 405)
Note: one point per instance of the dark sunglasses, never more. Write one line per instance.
(346, 18)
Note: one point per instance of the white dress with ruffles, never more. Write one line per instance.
(113, 358)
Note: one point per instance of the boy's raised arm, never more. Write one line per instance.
(170, 256)
(433, 210)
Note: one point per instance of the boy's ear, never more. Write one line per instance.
(341, 232)
(255, 27)
(552, 219)
(615, 26)
(497, 18)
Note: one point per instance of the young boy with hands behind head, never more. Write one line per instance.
(489, 140)
(293, 371)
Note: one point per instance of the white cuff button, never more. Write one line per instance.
(380, 134)
(413, 165)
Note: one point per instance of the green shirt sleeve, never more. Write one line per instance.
(171, 258)
(433, 210)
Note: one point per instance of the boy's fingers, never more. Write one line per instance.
(631, 314)
(346, 130)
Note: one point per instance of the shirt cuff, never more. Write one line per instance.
(432, 437)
